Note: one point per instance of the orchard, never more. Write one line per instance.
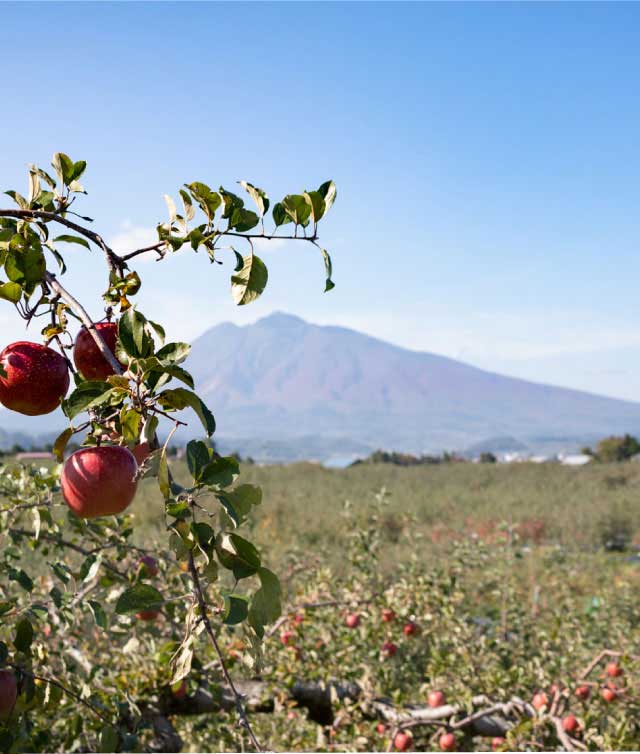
(115, 640)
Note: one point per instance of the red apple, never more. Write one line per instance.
(147, 614)
(8, 692)
(149, 566)
(179, 690)
(37, 378)
(91, 364)
(609, 695)
(352, 620)
(410, 628)
(99, 481)
(389, 648)
(287, 637)
(141, 452)
(570, 724)
(614, 670)
(388, 615)
(298, 618)
(381, 729)
(435, 699)
(540, 700)
(291, 715)
(583, 692)
(447, 742)
(402, 741)
(497, 743)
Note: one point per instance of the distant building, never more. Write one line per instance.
(579, 459)
(34, 455)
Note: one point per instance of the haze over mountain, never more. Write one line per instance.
(283, 388)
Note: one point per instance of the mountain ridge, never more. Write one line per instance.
(322, 390)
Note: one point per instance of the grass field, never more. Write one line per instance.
(503, 568)
(545, 504)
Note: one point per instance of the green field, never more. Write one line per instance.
(516, 577)
(546, 504)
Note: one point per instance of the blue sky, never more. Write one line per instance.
(486, 158)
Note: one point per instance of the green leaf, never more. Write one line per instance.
(139, 597)
(10, 292)
(237, 555)
(189, 211)
(328, 193)
(239, 260)
(171, 206)
(27, 266)
(266, 602)
(248, 284)
(64, 167)
(280, 216)
(236, 609)
(258, 196)
(109, 739)
(180, 398)
(297, 208)
(243, 220)
(87, 395)
(99, 615)
(73, 239)
(231, 201)
(239, 501)
(316, 200)
(164, 480)
(328, 269)
(208, 200)
(130, 421)
(44, 175)
(220, 472)
(198, 456)
(61, 443)
(22, 578)
(149, 429)
(178, 373)
(173, 353)
(133, 335)
(24, 636)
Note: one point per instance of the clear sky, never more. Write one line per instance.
(487, 158)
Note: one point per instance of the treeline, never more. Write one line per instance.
(614, 448)
(407, 459)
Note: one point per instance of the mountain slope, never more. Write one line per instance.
(282, 388)
(283, 378)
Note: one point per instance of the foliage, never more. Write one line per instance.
(617, 448)
(74, 589)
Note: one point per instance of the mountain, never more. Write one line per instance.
(282, 379)
(283, 388)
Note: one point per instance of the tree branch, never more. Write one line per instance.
(113, 260)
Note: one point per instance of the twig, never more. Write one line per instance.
(67, 691)
(69, 545)
(197, 587)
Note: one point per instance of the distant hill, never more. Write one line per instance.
(283, 388)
